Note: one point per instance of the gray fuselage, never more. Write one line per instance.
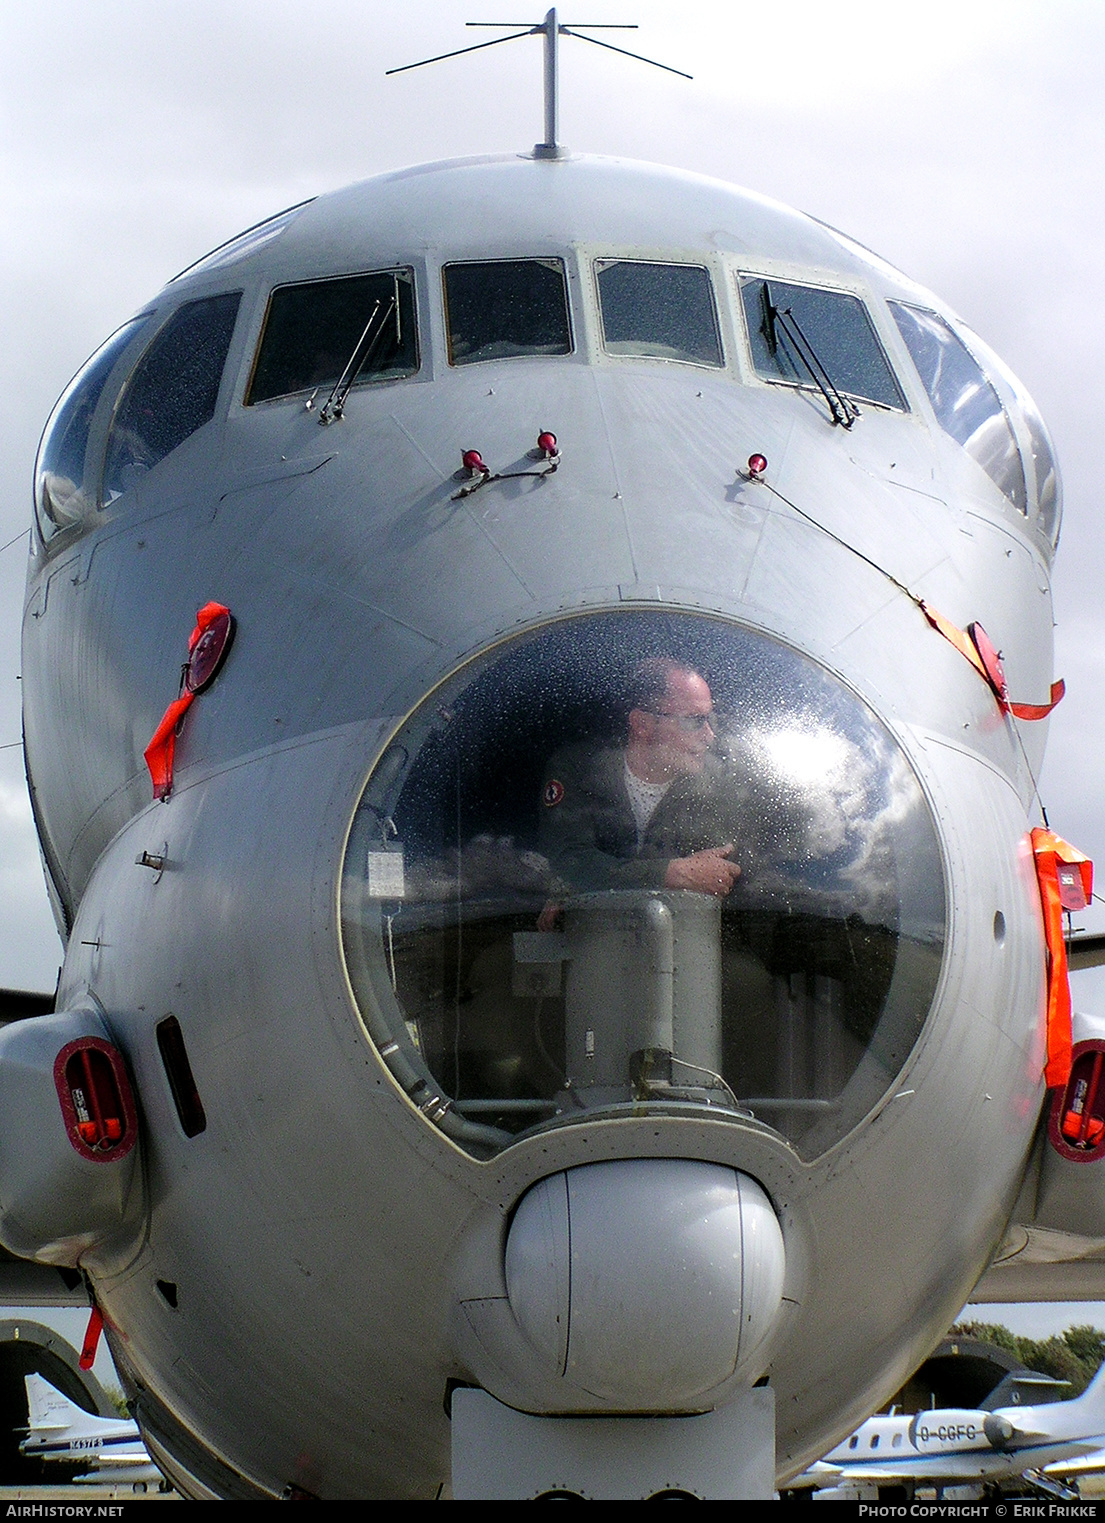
(318, 1233)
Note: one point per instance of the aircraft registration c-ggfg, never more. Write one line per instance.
(571, 944)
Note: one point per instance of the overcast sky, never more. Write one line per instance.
(964, 140)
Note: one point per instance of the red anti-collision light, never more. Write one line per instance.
(991, 661)
(547, 443)
(757, 465)
(210, 651)
(472, 460)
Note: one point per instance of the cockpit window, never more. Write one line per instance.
(796, 330)
(312, 332)
(963, 398)
(172, 392)
(1049, 494)
(506, 308)
(63, 495)
(643, 859)
(662, 311)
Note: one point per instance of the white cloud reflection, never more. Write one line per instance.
(806, 756)
(833, 824)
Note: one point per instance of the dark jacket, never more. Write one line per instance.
(587, 829)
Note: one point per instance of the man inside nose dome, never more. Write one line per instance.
(634, 816)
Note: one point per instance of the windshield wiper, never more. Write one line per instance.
(842, 409)
(334, 406)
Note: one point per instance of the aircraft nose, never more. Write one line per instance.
(646, 1282)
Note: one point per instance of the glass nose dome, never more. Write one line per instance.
(643, 859)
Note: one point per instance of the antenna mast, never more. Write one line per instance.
(552, 30)
(549, 149)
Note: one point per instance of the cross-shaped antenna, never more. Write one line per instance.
(552, 31)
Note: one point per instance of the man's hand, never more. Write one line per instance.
(705, 872)
(550, 915)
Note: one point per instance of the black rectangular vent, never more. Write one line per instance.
(178, 1071)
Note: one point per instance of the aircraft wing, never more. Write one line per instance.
(23, 1283)
(1042, 1264)
(1050, 1251)
(819, 1475)
(1085, 952)
(113, 1475)
(1086, 1464)
(112, 1461)
(1034, 1451)
(978, 1464)
(948, 1468)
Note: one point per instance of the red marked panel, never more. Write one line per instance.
(1076, 1122)
(96, 1099)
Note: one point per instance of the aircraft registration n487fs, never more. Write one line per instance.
(583, 957)
(59, 1430)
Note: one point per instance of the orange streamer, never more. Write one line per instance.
(955, 636)
(994, 679)
(1040, 710)
(161, 751)
(207, 615)
(91, 1338)
(1060, 888)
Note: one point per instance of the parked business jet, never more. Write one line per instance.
(955, 1446)
(57, 1429)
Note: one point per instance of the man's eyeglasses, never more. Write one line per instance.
(692, 724)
